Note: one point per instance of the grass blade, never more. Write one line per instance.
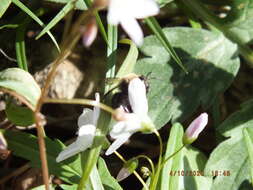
(99, 22)
(20, 47)
(4, 6)
(65, 10)
(35, 18)
(130, 60)
(157, 30)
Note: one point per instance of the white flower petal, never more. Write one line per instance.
(96, 110)
(118, 129)
(131, 124)
(137, 96)
(86, 117)
(86, 135)
(69, 151)
(144, 8)
(132, 28)
(114, 12)
(117, 143)
(84, 140)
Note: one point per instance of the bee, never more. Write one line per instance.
(120, 98)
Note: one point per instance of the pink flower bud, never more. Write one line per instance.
(90, 32)
(195, 128)
(3, 143)
(128, 168)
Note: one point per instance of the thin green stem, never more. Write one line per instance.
(135, 173)
(150, 162)
(164, 162)
(154, 180)
(81, 101)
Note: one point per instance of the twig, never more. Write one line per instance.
(15, 173)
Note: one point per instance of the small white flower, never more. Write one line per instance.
(125, 12)
(87, 122)
(132, 122)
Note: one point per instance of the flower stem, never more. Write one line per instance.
(164, 162)
(81, 101)
(150, 162)
(154, 180)
(135, 173)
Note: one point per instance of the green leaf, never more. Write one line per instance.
(35, 18)
(25, 146)
(174, 94)
(248, 137)
(22, 83)
(243, 26)
(231, 158)
(130, 60)
(21, 116)
(238, 12)
(167, 181)
(157, 30)
(183, 171)
(64, 11)
(4, 6)
(68, 187)
(162, 3)
(95, 179)
(108, 181)
(80, 5)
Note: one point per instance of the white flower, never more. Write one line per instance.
(132, 122)
(87, 122)
(125, 12)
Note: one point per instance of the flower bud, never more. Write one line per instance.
(145, 172)
(195, 128)
(128, 168)
(90, 32)
(3, 143)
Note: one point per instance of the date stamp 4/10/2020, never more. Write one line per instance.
(199, 173)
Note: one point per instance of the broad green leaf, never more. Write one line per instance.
(248, 138)
(68, 187)
(35, 18)
(22, 83)
(174, 94)
(25, 146)
(183, 171)
(130, 60)
(79, 4)
(243, 27)
(231, 158)
(238, 12)
(62, 13)
(4, 6)
(21, 116)
(108, 181)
